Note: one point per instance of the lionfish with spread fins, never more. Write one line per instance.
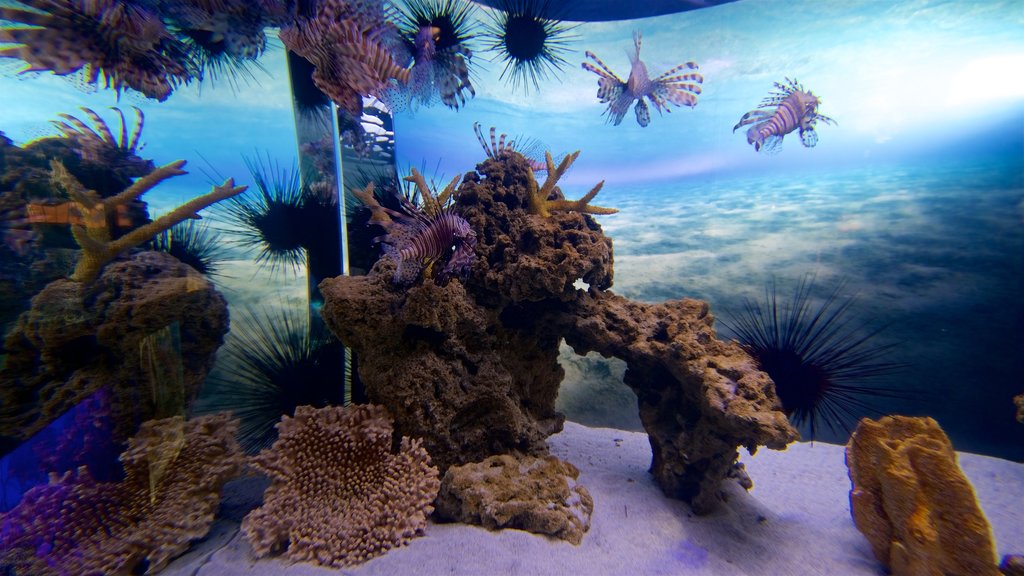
(434, 46)
(794, 109)
(432, 236)
(673, 87)
(529, 148)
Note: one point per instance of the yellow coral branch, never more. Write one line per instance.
(432, 205)
(378, 215)
(94, 238)
(539, 203)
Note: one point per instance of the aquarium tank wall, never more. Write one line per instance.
(226, 224)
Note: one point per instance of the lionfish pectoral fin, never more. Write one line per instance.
(808, 137)
(750, 118)
(643, 113)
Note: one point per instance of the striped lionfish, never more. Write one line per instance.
(529, 148)
(426, 235)
(679, 89)
(794, 108)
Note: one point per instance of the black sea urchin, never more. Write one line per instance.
(269, 216)
(824, 367)
(273, 362)
(530, 43)
(195, 244)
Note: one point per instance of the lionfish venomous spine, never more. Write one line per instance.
(670, 87)
(794, 109)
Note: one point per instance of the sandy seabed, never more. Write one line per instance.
(795, 521)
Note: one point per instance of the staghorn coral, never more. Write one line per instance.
(472, 367)
(94, 235)
(121, 44)
(539, 495)
(339, 496)
(75, 525)
(913, 503)
(541, 202)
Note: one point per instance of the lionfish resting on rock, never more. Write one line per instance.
(670, 87)
(787, 109)
(440, 242)
(502, 145)
(434, 41)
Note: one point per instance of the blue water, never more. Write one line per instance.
(934, 251)
(915, 198)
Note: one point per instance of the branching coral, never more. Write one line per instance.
(94, 236)
(540, 198)
(126, 44)
(339, 496)
(174, 470)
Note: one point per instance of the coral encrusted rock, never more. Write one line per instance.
(913, 503)
(174, 472)
(472, 367)
(339, 495)
(539, 495)
(78, 338)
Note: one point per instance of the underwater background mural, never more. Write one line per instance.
(841, 183)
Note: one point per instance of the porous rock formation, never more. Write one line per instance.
(538, 495)
(472, 367)
(913, 503)
(79, 337)
(75, 525)
(339, 494)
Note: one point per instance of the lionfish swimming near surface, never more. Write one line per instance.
(679, 89)
(434, 45)
(794, 108)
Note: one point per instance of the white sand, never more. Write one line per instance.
(795, 521)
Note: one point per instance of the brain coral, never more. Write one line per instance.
(339, 496)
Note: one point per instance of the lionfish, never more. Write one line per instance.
(115, 44)
(670, 87)
(426, 235)
(529, 148)
(794, 108)
(98, 146)
(434, 45)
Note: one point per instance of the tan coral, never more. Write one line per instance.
(124, 527)
(338, 495)
(1018, 400)
(94, 236)
(538, 495)
(540, 202)
(913, 503)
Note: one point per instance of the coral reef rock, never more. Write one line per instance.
(77, 338)
(472, 367)
(913, 503)
(538, 495)
(75, 525)
(338, 495)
